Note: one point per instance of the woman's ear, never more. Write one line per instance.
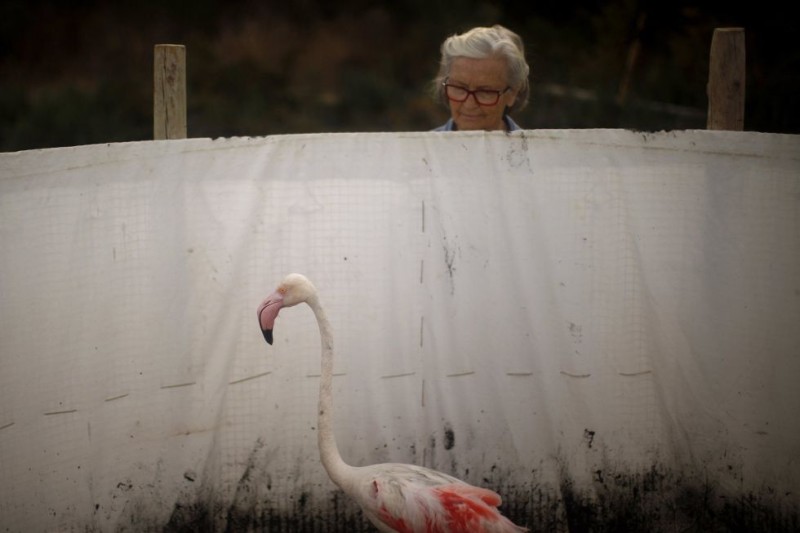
(513, 100)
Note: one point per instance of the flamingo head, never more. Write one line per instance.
(294, 289)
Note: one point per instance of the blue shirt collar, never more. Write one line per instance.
(450, 125)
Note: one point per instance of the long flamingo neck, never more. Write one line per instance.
(329, 453)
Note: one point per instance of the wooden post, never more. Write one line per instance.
(726, 80)
(169, 91)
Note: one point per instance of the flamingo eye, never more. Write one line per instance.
(282, 290)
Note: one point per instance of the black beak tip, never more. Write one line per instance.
(267, 335)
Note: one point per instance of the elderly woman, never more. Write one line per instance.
(483, 76)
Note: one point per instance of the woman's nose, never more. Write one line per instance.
(472, 100)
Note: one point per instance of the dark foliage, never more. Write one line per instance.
(81, 72)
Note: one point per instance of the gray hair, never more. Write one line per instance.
(480, 43)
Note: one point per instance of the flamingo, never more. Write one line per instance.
(401, 498)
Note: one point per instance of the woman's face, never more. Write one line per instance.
(474, 74)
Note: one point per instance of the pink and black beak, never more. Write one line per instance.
(267, 312)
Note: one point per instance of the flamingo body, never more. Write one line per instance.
(396, 498)
(406, 498)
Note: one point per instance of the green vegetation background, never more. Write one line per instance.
(80, 72)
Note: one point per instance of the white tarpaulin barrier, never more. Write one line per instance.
(601, 325)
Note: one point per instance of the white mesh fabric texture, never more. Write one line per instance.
(535, 313)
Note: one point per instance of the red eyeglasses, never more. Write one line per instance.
(485, 97)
